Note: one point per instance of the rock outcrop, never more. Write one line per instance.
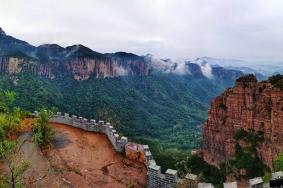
(2, 32)
(80, 68)
(248, 105)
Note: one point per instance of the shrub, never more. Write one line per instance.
(247, 157)
(222, 105)
(277, 81)
(198, 166)
(43, 132)
(279, 162)
(267, 177)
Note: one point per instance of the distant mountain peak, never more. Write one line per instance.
(2, 32)
(54, 46)
(78, 47)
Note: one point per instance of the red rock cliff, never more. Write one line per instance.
(248, 105)
(80, 68)
(78, 61)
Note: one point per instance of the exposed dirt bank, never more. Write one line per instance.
(87, 159)
(77, 159)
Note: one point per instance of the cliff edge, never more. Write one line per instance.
(250, 106)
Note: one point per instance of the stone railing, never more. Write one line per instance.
(117, 141)
(155, 178)
(192, 181)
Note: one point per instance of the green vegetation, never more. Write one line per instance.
(267, 177)
(277, 81)
(43, 133)
(221, 105)
(247, 157)
(164, 111)
(9, 153)
(198, 166)
(279, 162)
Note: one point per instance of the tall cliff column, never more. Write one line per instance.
(248, 105)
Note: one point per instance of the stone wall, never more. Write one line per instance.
(117, 141)
(155, 178)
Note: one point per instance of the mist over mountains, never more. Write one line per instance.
(156, 101)
(53, 53)
(266, 68)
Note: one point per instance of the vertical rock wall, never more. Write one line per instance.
(248, 105)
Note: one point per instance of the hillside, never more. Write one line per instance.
(163, 106)
(163, 111)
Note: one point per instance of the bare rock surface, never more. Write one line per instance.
(248, 105)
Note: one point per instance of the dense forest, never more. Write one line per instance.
(163, 110)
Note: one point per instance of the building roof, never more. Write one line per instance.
(205, 185)
(191, 176)
(230, 185)
(171, 172)
(255, 181)
(277, 175)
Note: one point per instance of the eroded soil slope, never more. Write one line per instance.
(77, 159)
(87, 159)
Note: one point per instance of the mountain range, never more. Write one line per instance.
(261, 69)
(156, 101)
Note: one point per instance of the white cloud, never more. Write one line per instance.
(181, 68)
(121, 71)
(241, 29)
(205, 67)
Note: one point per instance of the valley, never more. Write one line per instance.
(174, 107)
(163, 106)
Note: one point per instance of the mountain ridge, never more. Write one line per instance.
(53, 60)
(155, 101)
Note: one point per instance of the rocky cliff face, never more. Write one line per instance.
(80, 68)
(248, 105)
(52, 60)
(82, 63)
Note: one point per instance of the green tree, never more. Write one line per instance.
(206, 172)
(279, 162)
(9, 153)
(43, 132)
(6, 100)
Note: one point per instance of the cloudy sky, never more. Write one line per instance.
(239, 29)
